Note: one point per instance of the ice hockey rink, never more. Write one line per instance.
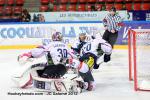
(111, 78)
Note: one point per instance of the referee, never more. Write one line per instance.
(112, 24)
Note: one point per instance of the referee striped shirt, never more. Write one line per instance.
(112, 22)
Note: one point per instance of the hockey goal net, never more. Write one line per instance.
(139, 58)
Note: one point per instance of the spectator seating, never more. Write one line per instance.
(108, 6)
(83, 1)
(146, 6)
(13, 8)
(91, 1)
(128, 6)
(119, 6)
(119, 1)
(51, 1)
(45, 2)
(81, 7)
(63, 1)
(44, 8)
(98, 7)
(17, 10)
(110, 1)
(10, 2)
(20, 2)
(137, 6)
(88, 7)
(85, 5)
(73, 1)
(62, 7)
(72, 7)
(55, 8)
(2, 2)
(10, 8)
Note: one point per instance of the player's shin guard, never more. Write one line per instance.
(87, 77)
(88, 80)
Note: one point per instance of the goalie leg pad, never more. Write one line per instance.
(52, 85)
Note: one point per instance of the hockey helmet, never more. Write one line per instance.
(57, 36)
(82, 36)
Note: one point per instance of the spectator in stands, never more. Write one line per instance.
(93, 8)
(38, 18)
(41, 18)
(112, 23)
(35, 18)
(25, 16)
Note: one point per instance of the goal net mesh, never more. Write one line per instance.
(140, 58)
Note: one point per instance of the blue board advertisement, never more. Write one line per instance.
(123, 33)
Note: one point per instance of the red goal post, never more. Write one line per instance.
(139, 58)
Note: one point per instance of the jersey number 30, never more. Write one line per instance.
(63, 52)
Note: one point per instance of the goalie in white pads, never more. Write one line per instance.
(45, 74)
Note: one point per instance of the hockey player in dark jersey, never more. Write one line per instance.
(79, 43)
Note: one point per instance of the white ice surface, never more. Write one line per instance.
(111, 81)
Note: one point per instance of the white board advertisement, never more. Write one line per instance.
(36, 33)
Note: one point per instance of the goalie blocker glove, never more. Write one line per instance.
(22, 59)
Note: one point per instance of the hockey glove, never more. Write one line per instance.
(107, 58)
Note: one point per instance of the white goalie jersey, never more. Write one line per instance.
(58, 51)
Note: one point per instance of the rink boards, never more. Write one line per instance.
(29, 35)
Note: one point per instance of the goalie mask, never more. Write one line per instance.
(57, 36)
